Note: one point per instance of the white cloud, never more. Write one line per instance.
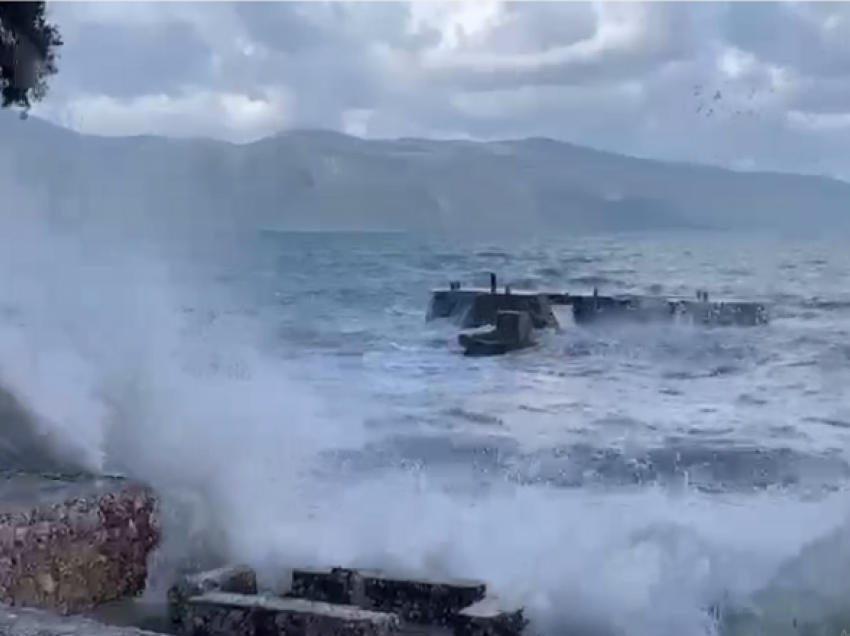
(692, 81)
(231, 116)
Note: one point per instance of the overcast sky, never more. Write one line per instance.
(744, 84)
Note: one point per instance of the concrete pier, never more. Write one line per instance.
(592, 309)
(474, 307)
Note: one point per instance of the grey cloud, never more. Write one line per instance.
(792, 35)
(283, 27)
(618, 76)
(124, 61)
(529, 27)
(619, 41)
(821, 96)
(322, 53)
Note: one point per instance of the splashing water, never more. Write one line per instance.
(107, 371)
(275, 434)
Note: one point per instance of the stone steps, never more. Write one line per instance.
(338, 602)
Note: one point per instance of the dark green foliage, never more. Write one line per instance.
(29, 47)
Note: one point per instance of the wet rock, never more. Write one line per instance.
(68, 545)
(224, 614)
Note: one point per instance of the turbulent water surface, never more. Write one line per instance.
(616, 480)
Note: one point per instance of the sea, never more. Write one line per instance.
(286, 396)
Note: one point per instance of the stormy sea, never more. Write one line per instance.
(285, 395)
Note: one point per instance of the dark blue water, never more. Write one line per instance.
(721, 409)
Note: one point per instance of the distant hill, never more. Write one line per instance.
(319, 180)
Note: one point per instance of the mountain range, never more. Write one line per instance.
(313, 180)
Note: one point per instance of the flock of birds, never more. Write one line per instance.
(711, 103)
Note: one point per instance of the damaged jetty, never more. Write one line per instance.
(514, 315)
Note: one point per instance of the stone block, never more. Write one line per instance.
(513, 331)
(238, 579)
(223, 614)
(419, 600)
(489, 617)
(70, 544)
(335, 585)
(514, 326)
